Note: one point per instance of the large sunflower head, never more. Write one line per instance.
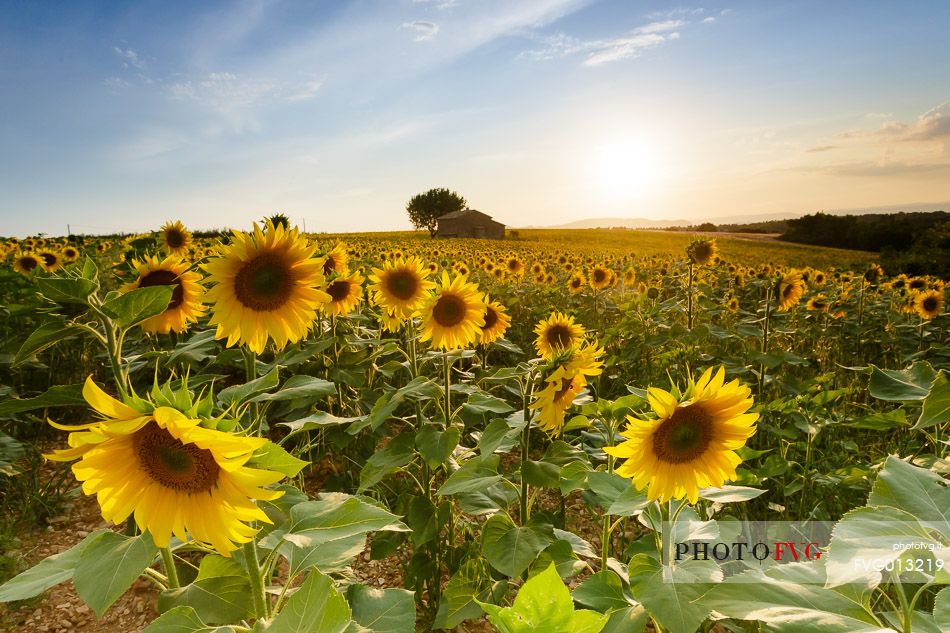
(600, 277)
(400, 286)
(496, 322)
(692, 442)
(27, 263)
(557, 333)
(345, 292)
(175, 238)
(185, 305)
(928, 305)
(454, 315)
(789, 290)
(268, 285)
(174, 476)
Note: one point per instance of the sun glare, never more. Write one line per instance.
(624, 170)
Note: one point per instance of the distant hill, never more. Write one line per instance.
(739, 220)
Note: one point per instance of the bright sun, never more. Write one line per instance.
(624, 170)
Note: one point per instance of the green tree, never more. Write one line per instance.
(425, 208)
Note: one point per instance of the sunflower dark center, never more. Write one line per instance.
(491, 318)
(600, 275)
(28, 263)
(449, 310)
(173, 464)
(575, 283)
(339, 290)
(916, 284)
(559, 336)
(929, 304)
(265, 283)
(513, 264)
(565, 387)
(684, 436)
(174, 238)
(402, 284)
(329, 266)
(49, 258)
(165, 278)
(788, 291)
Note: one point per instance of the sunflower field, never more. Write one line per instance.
(564, 431)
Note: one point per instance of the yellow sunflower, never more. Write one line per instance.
(336, 260)
(702, 251)
(175, 238)
(51, 260)
(267, 285)
(600, 277)
(345, 292)
(818, 303)
(400, 286)
(557, 333)
(514, 266)
(564, 380)
(576, 283)
(185, 306)
(70, 254)
(928, 305)
(691, 444)
(175, 476)
(454, 315)
(496, 322)
(790, 290)
(26, 263)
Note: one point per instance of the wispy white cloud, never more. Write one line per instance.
(933, 125)
(438, 4)
(424, 30)
(599, 52)
(130, 59)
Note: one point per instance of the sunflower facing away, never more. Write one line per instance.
(691, 444)
(563, 381)
(702, 252)
(928, 305)
(400, 287)
(557, 333)
(26, 263)
(175, 238)
(496, 322)
(267, 285)
(454, 315)
(185, 306)
(175, 476)
(345, 292)
(336, 260)
(790, 289)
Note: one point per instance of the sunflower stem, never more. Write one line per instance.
(525, 439)
(256, 579)
(171, 572)
(447, 370)
(689, 299)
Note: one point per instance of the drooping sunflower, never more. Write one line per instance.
(691, 444)
(557, 333)
(599, 277)
(267, 285)
(790, 290)
(51, 260)
(818, 303)
(26, 263)
(496, 322)
(345, 292)
(928, 305)
(564, 379)
(185, 306)
(702, 251)
(453, 316)
(336, 260)
(174, 476)
(175, 238)
(400, 286)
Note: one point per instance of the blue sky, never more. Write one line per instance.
(118, 116)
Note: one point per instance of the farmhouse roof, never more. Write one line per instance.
(461, 214)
